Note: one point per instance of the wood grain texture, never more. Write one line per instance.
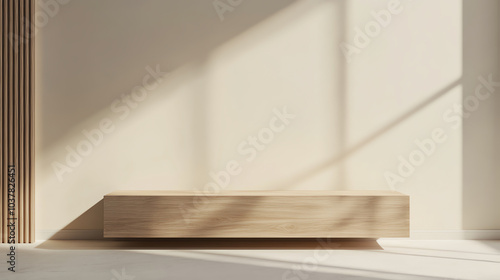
(17, 113)
(251, 214)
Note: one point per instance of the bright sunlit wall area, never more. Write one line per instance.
(302, 95)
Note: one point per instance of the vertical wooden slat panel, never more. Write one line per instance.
(15, 85)
(27, 221)
(10, 93)
(26, 115)
(17, 123)
(21, 124)
(4, 118)
(2, 169)
(29, 148)
(22, 143)
(22, 112)
(32, 124)
(25, 142)
(4, 115)
(17, 105)
(31, 112)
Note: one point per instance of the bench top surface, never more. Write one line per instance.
(257, 193)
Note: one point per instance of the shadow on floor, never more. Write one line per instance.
(188, 265)
(214, 243)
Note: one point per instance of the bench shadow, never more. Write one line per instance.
(214, 244)
(89, 224)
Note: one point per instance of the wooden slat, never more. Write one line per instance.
(304, 214)
(10, 92)
(2, 151)
(31, 112)
(17, 123)
(26, 142)
(4, 116)
(22, 124)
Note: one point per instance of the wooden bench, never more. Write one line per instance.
(249, 214)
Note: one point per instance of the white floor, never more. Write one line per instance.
(399, 259)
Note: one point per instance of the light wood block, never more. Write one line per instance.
(250, 214)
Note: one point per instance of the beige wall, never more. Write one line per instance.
(226, 79)
(481, 131)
